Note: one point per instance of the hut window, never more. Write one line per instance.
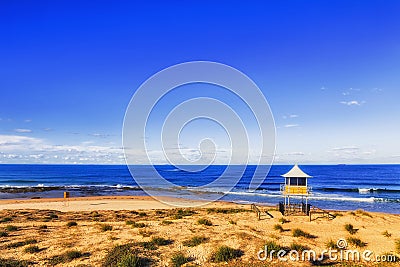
(302, 181)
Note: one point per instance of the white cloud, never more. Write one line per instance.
(35, 150)
(22, 130)
(294, 154)
(293, 116)
(352, 103)
(28, 120)
(345, 148)
(291, 125)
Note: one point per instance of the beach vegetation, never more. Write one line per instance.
(386, 234)
(178, 259)
(105, 227)
(363, 213)
(11, 228)
(14, 263)
(148, 245)
(180, 213)
(350, 228)
(71, 224)
(279, 228)
(283, 220)
(67, 256)
(356, 242)
(160, 212)
(42, 227)
(119, 254)
(3, 234)
(397, 245)
(232, 222)
(131, 260)
(22, 243)
(142, 214)
(160, 241)
(204, 221)
(166, 222)
(300, 233)
(225, 253)
(5, 219)
(298, 247)
(145, 233)
(195, 241)
(272, 245)
(32, 249)
(136, 224)
(226, 210)
(331, 244)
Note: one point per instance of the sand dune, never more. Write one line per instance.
(140, 223)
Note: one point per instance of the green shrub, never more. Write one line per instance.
(331, 244)
(32, 249)
(11, 228)
(148, 245)
(159, 241)
(137, 224)
(204, 221)
(5, 219)
(178, 259)
(106, 227)
(283, 220)
(272, 245)
(116, 254)
(68, 256)
(356, 242)
(14, 263)
(70, 224)
(350, 228)
(166, 222)
(22, 243)
(226, 210)
(225, 253)
(386, 234)
(195, 241)
(131, 260)
(42, 227)
(142, 214)
(3, 234)
(279, 228)
(232, 222)
(298, 247)
(300, 233)
(397, 245)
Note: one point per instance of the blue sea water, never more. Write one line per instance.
(333, 186)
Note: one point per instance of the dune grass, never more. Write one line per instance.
(66, 257)
(397, 245)
(71, 224)
(195, 241)
(387, 234)
(11, 228)
(204, 221)
(178, 259)
(32, 249)
(356, 242)
(300, 233)
(279, 228)
(350, 228)
(225, 253)
(105, 227)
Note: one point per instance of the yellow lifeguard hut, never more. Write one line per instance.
(294, 189)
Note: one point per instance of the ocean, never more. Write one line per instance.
(340, 187)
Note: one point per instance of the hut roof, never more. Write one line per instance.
(296, 172)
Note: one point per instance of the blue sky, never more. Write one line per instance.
(329, 69)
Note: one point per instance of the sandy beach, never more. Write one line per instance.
(95, 231)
